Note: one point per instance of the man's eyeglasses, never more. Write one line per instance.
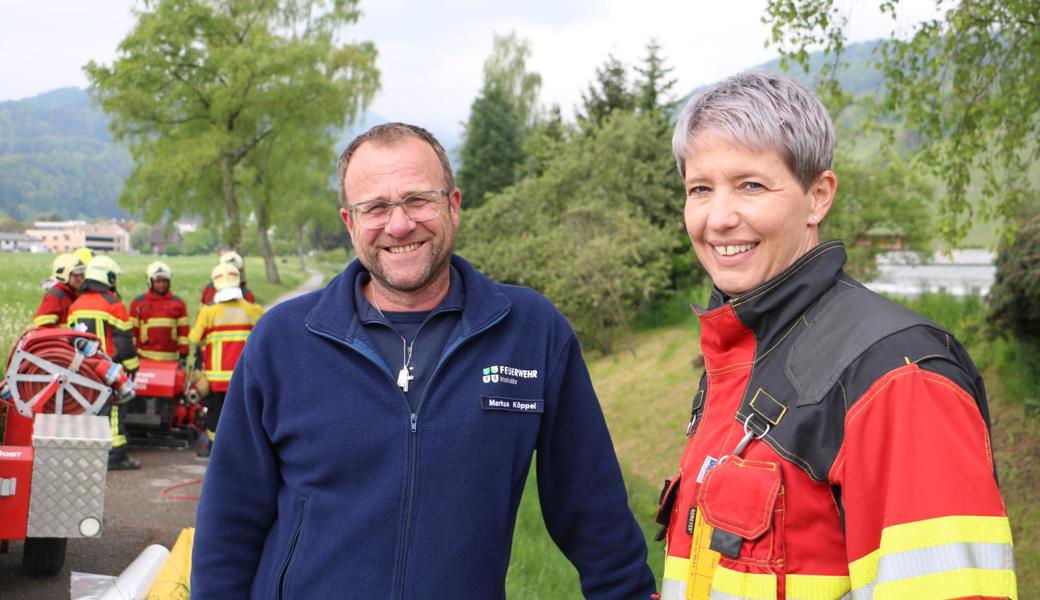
(419, 207)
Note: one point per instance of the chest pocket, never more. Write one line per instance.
(744, 501)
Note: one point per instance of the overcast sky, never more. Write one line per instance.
(431, 52)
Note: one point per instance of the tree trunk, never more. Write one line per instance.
(265, 244)
(234, 225)
(300, 235)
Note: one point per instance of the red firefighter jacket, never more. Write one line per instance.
(209, 291)
(54, 307)
(221, 329)
(867, 472)
(104, 315)
(160, 325)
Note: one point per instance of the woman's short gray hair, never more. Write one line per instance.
(763, 111)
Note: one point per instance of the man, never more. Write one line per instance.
(234, 259)
(160, 318)
(220, 334)
(378, 433)
(100, 311)
(66, 279)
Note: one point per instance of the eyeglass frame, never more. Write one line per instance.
(391, 204)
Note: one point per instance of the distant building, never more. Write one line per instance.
(20, 242)
(66, 236)
(159, 241)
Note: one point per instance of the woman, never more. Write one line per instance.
(838, 443)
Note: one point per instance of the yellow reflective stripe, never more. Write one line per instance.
(135, 321)
(817, 587)
(182, 321)
(119, 323)
(158, 355)
(951, 584)
(219, 375)
(113, 426)
(227, 336)
(744, 586)
(131, 364)
(675, 567)
(931, 532)
(42, 320)
(182, 341)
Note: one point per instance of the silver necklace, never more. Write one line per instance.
(404, 375)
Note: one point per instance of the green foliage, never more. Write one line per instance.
(492, 151)
(966, 83)
(878, 198)
(598, 231)
(198, 87)
(654, 87)
(609, 93)
(1014, 306)
(140, 237)
(201, 241)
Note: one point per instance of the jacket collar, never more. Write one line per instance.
(335, 314)
(151, 295)
(769, 307)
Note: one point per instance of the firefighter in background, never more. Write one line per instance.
(66, 279)
(99, 310)
(235, 259)
(159, 318)
(220, 334)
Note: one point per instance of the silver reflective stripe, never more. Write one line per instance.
(717, 595)
(847, 596)
(673, 589)
(938, 559)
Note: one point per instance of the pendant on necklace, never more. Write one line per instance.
(403, 377)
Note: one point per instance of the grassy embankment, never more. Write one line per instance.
(645, 394)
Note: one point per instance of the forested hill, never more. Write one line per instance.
(56, 156)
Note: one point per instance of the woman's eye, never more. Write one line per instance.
(753, 186)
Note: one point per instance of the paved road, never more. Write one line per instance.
(137, 513)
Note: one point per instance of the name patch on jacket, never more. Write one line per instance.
(511, 404)
(507, 374)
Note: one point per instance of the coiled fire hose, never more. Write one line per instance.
(51, 366)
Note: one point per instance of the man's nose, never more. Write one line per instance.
(400, 224)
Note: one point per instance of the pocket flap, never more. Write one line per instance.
(739, 495)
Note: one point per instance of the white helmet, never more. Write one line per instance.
(160, 270)
(225, 276)
(103, 269)
(65, 265)
(232, 258)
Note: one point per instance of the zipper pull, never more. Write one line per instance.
(415, 419)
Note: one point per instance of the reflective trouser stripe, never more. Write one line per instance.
(734, 585)
(818, 587)
(118, 439)
(673, 586)
(158, 355)
(942, 557)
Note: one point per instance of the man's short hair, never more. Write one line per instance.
(763, 111)
(389, 134)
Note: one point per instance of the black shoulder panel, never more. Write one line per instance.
(140, 298)
(841, 327)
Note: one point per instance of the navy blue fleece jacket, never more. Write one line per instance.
(324, 484)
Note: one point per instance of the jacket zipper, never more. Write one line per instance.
(413, 427)
(283, 576)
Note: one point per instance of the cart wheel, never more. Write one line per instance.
(43, 556)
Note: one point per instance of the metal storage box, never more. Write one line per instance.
(69, 471)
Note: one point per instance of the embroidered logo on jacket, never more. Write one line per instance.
(506, 374)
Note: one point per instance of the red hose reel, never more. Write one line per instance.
(62, 371)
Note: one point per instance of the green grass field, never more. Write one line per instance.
(21, 276)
